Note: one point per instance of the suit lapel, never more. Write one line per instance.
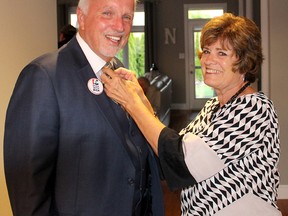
(102, 101)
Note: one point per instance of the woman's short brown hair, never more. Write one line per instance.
(243, 35)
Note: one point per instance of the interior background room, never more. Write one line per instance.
(30, 28)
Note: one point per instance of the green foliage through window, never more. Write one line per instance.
(201, 89)
(136, 53)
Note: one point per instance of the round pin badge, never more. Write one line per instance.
(95, 86)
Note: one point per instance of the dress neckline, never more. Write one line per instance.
(233, 98)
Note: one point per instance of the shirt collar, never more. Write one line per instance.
(94, 60)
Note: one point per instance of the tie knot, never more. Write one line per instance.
(109, 65)
(112, 64)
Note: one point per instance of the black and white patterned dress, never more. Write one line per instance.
(233, 155)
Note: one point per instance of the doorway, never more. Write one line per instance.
(196, 16)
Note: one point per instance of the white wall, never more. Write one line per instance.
(28, 29)
(278, 17)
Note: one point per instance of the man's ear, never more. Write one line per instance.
(80, 18)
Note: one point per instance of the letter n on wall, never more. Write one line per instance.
(170, 35)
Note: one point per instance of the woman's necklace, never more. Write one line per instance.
(217, 107)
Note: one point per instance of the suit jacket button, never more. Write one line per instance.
(132, 132)
(131, 181)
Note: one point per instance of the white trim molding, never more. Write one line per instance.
(283, 192)
(265, 47)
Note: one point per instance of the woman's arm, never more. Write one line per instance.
(123, 87)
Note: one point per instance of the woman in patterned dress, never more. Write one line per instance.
(226, 159)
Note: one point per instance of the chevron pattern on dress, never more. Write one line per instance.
(244, 135)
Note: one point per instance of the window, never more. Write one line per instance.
(198, 13)
(204, 14)
(73, 20)
(133, 54)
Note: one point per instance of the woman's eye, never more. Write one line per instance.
(222, 54)
(205, 52)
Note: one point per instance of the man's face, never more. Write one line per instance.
(106, 25)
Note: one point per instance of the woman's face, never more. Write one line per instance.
(217, 63)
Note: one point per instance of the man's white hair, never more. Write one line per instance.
(84, 5)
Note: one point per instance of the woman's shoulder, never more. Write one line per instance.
(211, 102)
(256, 101)
(259, 97)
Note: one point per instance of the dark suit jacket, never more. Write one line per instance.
(64, 152)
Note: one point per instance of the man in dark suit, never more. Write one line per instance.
(68, 148)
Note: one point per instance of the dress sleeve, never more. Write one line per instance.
(200, 159)
(172, 161)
